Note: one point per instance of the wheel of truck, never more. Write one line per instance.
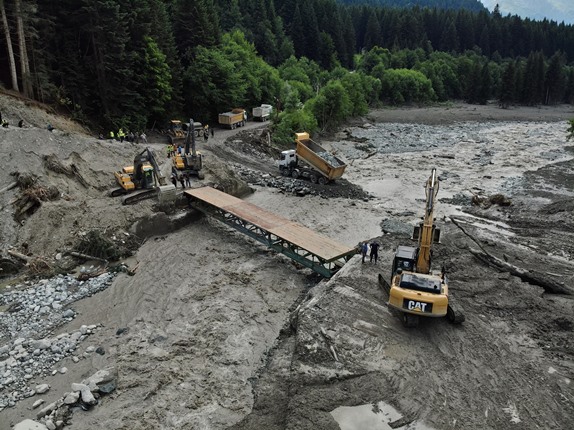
(322, 180)
(313, 179)
(284, 172)
(295, 174)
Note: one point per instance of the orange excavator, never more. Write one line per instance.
(415, 290)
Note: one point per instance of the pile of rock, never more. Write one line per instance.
(31, 314)
(83, 395)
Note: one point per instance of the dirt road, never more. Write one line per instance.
(215, 332)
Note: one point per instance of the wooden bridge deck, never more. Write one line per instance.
(290, 231)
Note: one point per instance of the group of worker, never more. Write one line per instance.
(374, 254)
(184, 180)
(121, 135)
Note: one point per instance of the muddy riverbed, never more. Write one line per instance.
(214, 331)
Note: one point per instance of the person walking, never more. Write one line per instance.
(174, 180)
(182, 181)
(143, 137)
(374, 251)
(112, 136)
(364, 250)
(212, 131)
(169, 150)
(187, 178)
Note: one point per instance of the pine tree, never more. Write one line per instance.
(555, 80)
(507, 90)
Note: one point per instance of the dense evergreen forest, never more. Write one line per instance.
(470, 5)
(136, 63)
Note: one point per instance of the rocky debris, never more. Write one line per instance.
(488, 201)
(29, 314)
(300, 187)
(330, 158)
(83, 395)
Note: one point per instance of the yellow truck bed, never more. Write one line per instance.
(319, 158)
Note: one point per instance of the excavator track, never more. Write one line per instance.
(454, 313)
(117, 192)
(138, 196)
(384, 284)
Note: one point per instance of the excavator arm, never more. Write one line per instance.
(190, 139)
(426, 236)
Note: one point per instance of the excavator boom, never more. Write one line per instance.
(426, 235)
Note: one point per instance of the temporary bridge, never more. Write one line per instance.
(312, 250)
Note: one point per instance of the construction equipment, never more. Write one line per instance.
(236, 118)
(310, 160)
(142, 180)
(262, 113)
(187, 162)
(414, 289)
(176, 133)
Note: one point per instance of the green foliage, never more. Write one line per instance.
(406, 86)
(212, 85)
(332, 106)
(362, 90)
(262, 82)
(157, 78)
(291, 122)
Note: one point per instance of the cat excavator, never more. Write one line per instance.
(142, 180)
(190, 161)
(415, 290)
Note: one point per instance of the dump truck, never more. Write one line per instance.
(309, 160)
(262, 113)
(236, 118)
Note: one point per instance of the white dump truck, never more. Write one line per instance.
(262, 113)
(310, 160)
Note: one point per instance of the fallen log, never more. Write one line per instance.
(9, 187)
(85, 256)
(19, 255)
(535, 278)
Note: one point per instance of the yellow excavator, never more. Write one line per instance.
(189, 161)
(142, 180)
(415, 290)
(176, 133)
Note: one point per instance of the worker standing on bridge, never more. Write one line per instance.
(374, 251)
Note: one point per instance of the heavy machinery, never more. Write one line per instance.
(415, 290)
(187, 162)
(142, 180)
(176, 133)
(310, 160)
(233, 119)
(262, 113)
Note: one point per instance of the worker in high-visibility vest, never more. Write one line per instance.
(112, 135)
(121, 135)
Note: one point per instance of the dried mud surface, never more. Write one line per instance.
(218, 332)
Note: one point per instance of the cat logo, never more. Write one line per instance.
(413, 305)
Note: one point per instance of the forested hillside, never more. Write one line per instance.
(470, 5)
(134, 64)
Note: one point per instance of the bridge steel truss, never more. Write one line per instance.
(299, 243)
